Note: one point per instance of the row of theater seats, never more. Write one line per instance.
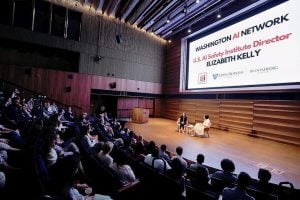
(150, 184)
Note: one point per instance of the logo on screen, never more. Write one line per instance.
(202, 78)
(263, 69)
(215, 76)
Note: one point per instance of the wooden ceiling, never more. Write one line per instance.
(164, 18)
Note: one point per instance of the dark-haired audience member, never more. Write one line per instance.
(69, 115)
(163, 152)
(53, 151)
(150, 147)
(200, 160)
(89, 137)
(238, 192)
(104, 156)
(83, 120)
(139, 147)
(124, 171)
(264, 176)
(14, 111)
(70, 185)
(157, 163)
(177, 170)
(178, 155)
(226, 175)
(177, 173)
(201, 178)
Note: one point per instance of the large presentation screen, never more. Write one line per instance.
(257, 52)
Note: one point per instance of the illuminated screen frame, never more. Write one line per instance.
(232, 19)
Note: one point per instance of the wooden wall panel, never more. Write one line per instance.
(236, 116)
(277, 120)
(54, 83)
(210, 107)
(126, 104)
(171, 109)
(172, 69)
(188, 106)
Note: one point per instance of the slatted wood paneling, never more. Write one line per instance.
(277, 120)
(236, 116)
(274, 120)
(171, 109)
(210, 107)
(126, 104)
(53, 84)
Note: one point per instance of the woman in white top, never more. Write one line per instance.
(123, 171)
(199, 127)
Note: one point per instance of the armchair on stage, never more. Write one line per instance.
(199, 129)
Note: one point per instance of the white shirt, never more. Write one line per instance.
(159, 164)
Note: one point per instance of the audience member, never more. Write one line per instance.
(238, 192)
(163, 152)
(227, 173)
(124, 171)
(178, 155)
(264, 176)
(200, 160)
(157, 163)
(104, 156)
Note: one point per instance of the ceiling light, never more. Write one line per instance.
(197, 1)
(219, 16)
(169, 41)
(168, 21)
(189, 30)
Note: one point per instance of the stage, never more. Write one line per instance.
(248, 153)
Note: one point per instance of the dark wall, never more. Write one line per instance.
(133, 55)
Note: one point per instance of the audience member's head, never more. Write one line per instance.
(200, 158)
(155, 153)
(107, 147)
(151, 146)
(227, 165)
(243, 180)
(179, 150)
(264, 175)
(163, 147)
(177, 168)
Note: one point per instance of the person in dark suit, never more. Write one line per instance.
(183, 121)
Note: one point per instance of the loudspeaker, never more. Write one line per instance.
(113, 85)
(68, 89)
(118, 38)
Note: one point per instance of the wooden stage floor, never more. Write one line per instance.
(248, 153)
